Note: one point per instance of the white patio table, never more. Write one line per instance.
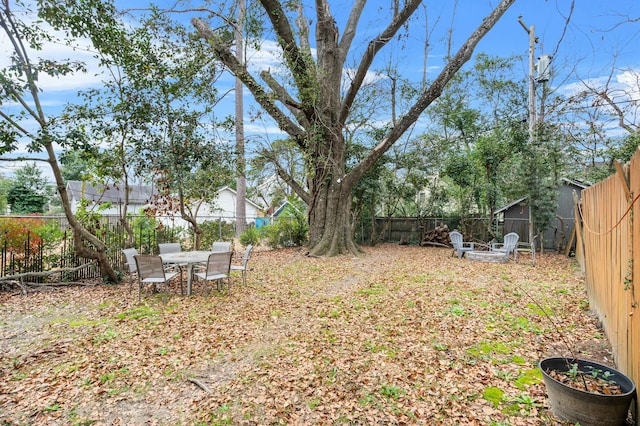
(188, 258)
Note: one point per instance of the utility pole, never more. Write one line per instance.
(532, 104)
(241, 168)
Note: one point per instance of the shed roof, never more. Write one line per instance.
(508, 206)
(566, 181)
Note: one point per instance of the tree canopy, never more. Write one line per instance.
(313, 100)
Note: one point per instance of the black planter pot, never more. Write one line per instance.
(587, 408)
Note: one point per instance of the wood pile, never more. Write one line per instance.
(437, 237)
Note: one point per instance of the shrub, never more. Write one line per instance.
(216, 230)
(19, 235)
(287, 232)
(251, 236)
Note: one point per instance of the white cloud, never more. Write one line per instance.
(629, 82)
(268, 57)
(272, 131)
(58, 51)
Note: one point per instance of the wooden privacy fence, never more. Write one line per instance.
(609, 252)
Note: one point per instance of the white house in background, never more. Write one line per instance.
(110, 196)
(142, 196)
(225, 207)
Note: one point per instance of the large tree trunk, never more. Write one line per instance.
(330, 231)
(241, 181)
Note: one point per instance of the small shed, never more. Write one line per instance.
(514, 217)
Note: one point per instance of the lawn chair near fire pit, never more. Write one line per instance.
(510, 245)
(459, 246)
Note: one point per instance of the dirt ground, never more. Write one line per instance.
(402, 335)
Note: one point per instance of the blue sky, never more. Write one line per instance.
(585, 47)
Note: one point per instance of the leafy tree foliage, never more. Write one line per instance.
(20, 84)
(29, 191)
(154, 114)
(5, 185)
(25, 200)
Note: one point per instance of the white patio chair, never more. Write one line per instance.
(510, 245)
(459, 246)
(220, 246)
(173, 248)
(243, 267)
(151, 271)
(218, 268)
(169, 248)
(130, 263)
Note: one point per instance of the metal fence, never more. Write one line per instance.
(45, 251)
(34, 244)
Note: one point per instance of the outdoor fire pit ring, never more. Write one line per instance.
(486, 256)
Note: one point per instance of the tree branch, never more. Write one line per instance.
(297, 62)
(350, 29)
(303, 27)
(283, 96)
(372, 50)
(231, 62)
(430, 94)
(23, 158)
(287, 178)
(16, 125)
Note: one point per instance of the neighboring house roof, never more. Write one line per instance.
(283, 206)
(579, 184)
(114, 193)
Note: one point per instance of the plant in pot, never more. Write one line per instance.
(585, 392)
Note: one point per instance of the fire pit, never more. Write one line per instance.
(486, 256)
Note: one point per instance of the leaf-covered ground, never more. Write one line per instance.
(403, 335)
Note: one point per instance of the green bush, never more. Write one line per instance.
(216, 230)
(272, 235)
(287, 232)
(290, 228)
(251, 236)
